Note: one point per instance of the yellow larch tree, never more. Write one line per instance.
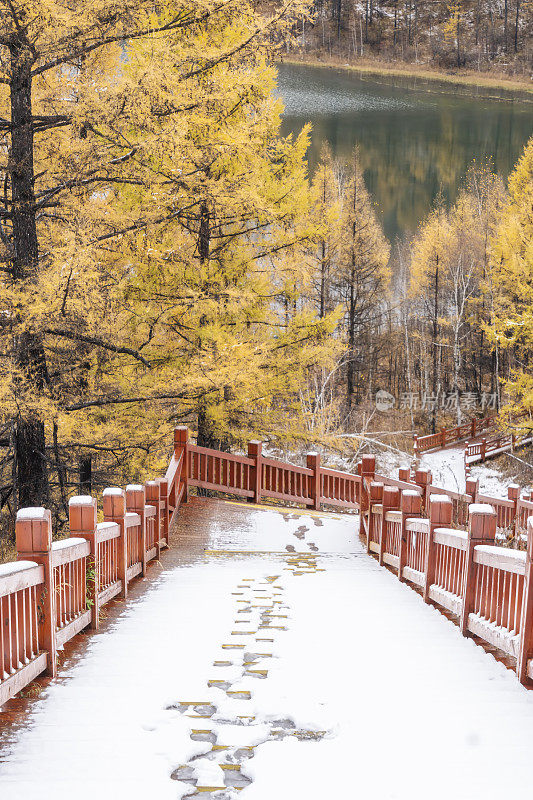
(511, 326)
(149, 230)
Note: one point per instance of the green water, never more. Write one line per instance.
(414, 142)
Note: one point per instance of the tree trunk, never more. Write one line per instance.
(86, 475)
(351, 377)
(435, 346)
(323, 280)
(517, 23)
(505, 23)
(208, 435)
(204, 233)
(30, 453)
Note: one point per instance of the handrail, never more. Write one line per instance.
(501, 558)
(18, 575)
(449, 537)
(488, 448)
(68, 550)
(488, 588)
(62, 586)
(457, 433)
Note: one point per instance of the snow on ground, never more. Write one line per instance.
(298, 666)
(448, 470)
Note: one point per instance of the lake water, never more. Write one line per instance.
(414, 142)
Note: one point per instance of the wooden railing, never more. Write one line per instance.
(256, 477)
(488, 588)
(56, 589)
(218, 471)
(21, 657)
(477, 452)
(69, 578)
(425, 533)
(446, 436)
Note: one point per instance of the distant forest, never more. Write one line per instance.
(450, 34)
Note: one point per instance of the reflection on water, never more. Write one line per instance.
(413, 142)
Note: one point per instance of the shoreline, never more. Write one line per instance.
(518, 90)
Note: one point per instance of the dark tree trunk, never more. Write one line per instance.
(86, 475)
(31, 466)
(30, 451)
(204, 233)
(505, 23)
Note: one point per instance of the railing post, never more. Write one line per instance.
(466, 466)
(313, 462)
(443, 437)
(82, 514)
(411, 506)
(472, 488)
(136, 501)
(163, 495)
(181, 445)
(391, 502)
(440, 514)
(513, 493)
(473, 428)
(255, 449)
(404, 474)
(358, 486)
(375, 497)
(526, 627)
(114, 501)
(368, 466)
(423, 481)
(152, 499)
(367, 470)
(416, 454)
(483, 449)
(481, 530)
(33, 530)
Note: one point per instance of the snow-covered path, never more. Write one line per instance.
(448, 471)
(283, 661)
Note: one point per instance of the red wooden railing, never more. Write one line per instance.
(487, 587)
(477, 452)
(57, 589)
(425, 533)
(446, 436)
